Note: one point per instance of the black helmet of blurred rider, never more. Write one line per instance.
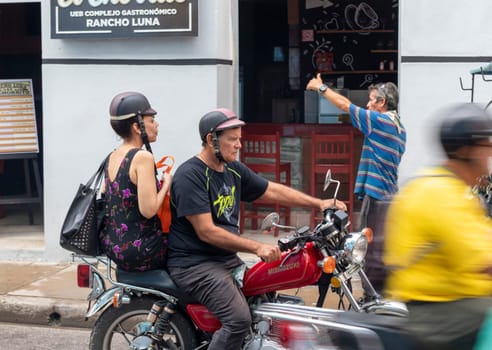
(463, 124)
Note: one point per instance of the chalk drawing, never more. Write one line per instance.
(348, 59)
(361, 17)
(368, 79)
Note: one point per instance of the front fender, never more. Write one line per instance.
(102, 302)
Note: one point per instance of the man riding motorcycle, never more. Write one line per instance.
(204, 237)
(439, 238)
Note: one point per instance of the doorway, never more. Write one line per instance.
(263, 46)
(20, 58)
(351, 43)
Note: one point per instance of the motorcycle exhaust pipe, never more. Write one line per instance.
(364, 337)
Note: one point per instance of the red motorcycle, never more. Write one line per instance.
(145, 310)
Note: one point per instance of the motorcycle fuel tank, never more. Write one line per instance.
(291, 271)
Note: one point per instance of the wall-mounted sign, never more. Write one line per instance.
(123, 18)
(18, 133)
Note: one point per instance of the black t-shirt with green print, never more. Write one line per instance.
(197, 189)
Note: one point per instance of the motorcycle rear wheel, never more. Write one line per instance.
(116, 327)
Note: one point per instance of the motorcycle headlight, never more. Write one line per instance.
(355, 247)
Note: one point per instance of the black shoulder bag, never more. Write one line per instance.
(82, 224)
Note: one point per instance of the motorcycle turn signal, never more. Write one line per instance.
(119, 298)
(116, 299)
(367, 231)
(328, 264)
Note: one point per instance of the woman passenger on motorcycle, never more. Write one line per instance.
(439, 238)
(204, 240)
(132, 235)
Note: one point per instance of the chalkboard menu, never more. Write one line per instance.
(352, 43)
(18, 133)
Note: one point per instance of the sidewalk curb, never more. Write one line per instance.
(44, 311)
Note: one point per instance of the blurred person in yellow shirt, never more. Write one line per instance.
(438, 245)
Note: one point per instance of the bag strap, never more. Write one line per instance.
(96, 179)
(166, 161)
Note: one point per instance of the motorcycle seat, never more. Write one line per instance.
(154, 279)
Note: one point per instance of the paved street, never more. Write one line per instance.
(22, 337)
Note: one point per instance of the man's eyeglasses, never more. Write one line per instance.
(382, 90)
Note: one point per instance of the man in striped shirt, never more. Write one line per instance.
(377, 176)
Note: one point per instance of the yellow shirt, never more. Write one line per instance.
(437, 240)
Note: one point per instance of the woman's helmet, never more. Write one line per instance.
(129, 104)
(464, 124)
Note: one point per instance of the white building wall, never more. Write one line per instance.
(76, 97)
(440, 41)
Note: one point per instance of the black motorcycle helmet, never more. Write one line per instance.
(215, 121)
(464, 125)
(127, 105)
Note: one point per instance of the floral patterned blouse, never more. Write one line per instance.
(132, 241)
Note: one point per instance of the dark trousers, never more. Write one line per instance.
(212, 284)
(373, 215)
(452, 325)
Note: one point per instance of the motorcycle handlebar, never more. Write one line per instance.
(287, 243)
(334, 219)
(290, 242)
(329, 211)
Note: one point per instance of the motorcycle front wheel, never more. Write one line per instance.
(116, 328)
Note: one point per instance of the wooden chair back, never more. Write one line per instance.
(334, 152)
(261, 153)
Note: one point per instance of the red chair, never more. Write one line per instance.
(261, 153)
(333, 152)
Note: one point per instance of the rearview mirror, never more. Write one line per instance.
(327, 180)
(269, 221)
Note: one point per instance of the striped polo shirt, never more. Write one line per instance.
(384, 145)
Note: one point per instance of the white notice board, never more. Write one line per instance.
(18, 132)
